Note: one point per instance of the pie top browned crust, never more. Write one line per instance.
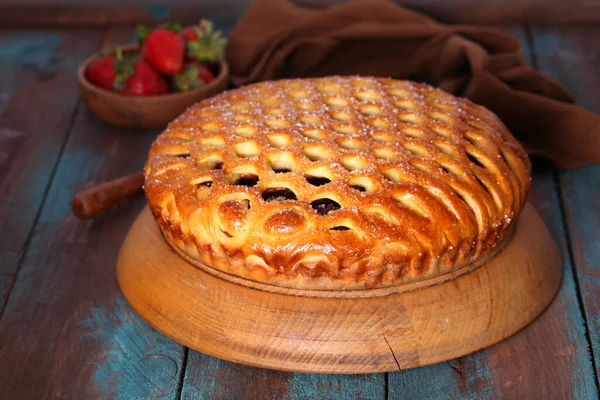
(337, 182)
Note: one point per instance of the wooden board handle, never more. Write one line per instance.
(101, 198)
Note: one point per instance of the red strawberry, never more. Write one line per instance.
(164, 49)
(190, 33)
(144, 81)
(193, 75)
(101, 71)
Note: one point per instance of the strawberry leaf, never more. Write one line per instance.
(119, 84)
(188, 79)
(209, 47)
(170, 26)
(142, 33)
(125, 69)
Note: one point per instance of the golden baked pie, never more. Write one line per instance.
(337, 182)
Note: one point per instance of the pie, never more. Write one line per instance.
(337, 182)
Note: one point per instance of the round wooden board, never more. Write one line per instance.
(380, 333)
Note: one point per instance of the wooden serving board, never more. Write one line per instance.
(374, 331)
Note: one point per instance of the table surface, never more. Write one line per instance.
(67, 332)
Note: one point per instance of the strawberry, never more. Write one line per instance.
(190, 33)
(144, 81)
(203, 44)
(193, 75)
(101, 71)
(164, 49)
(126, 75)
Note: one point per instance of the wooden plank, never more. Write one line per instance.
(38, 94)
(6, 282)
(583, 221)
(571, 56)
(449, 380)
(119, 14)
(67, 332)
(548, 359)
(210, 378)
(481, 12)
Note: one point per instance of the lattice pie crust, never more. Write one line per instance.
(337, 182)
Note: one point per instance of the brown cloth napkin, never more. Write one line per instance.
(276, 39)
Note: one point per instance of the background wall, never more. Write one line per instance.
(86, 12)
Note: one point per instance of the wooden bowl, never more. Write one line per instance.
(145, 112)
(359, 331)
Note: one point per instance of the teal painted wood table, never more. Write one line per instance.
(67, 333)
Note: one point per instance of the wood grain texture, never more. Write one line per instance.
(66, 331)
(464, 378)
(104, 12)
(295, 332)
(66, 326)
(207, 378)
(572, 57)
(37, 101)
